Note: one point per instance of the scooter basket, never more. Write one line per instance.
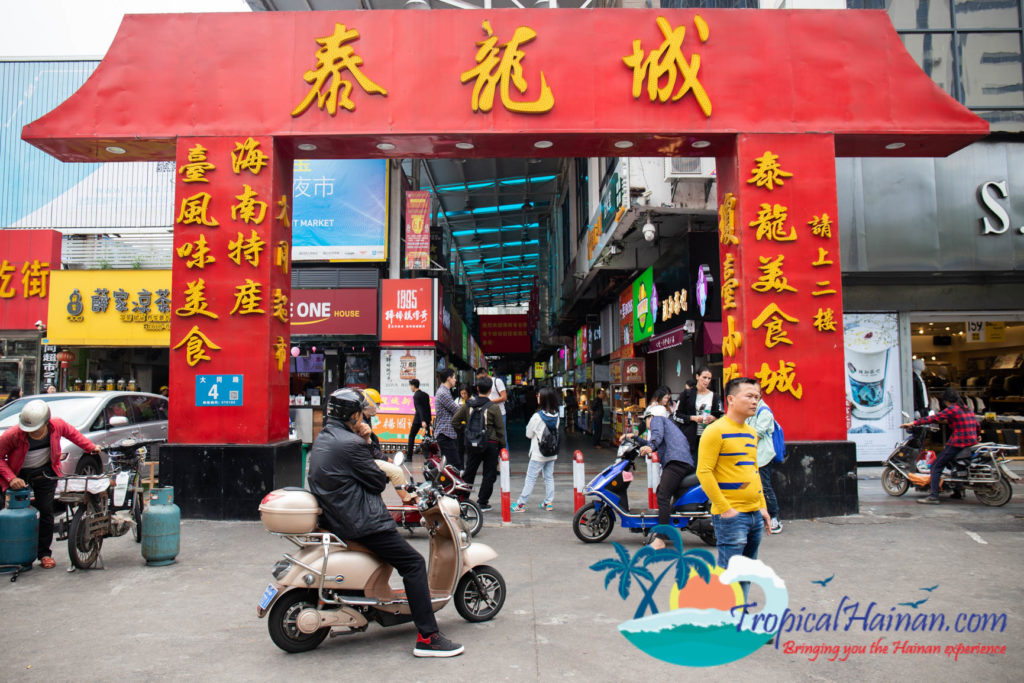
(74, 488)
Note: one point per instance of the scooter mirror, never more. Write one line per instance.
(399, 458)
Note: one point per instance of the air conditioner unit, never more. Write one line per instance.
(677, 168)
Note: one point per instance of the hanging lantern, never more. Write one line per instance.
(65, 356)
(295, 352)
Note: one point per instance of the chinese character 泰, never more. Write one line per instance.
(194, 211)
(198, 253)
(768, 173)
(195, 301)
(247, 248)
(772, 317)
(727, 220)
(34, 278)
(781, 380)
(334, 57)
(197, 166)
(771, 277)
(490, 71)
(248, 209)
(248, 298)
(824, 320)
(196, 344)
(821, 226)
(247, 156)
(667, 63)
(769, 224)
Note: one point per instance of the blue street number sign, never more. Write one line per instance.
(219, 390)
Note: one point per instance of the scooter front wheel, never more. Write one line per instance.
(893, 481)
(281, 622)
(591, 525)
(472, 516)
(83, 548)
(480, 598)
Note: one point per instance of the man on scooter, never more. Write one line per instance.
(964, 427)
(677, 462)
(348, 484)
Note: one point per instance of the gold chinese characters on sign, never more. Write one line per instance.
(497, 73)
(330, 89)
(661, 68)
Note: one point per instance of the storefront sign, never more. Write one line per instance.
(581, 356)
(339, 210)
(504, 334)
(614, 203)
(703, 282)
(668, 339)
(334, 311)
(26, 260)
(538, 370)
(397, 367)
(626, 316)
(645, 305)
(633, 370)
(407, 308)
(110, 307)
(219, 390)
(417, 229)
(393, 428)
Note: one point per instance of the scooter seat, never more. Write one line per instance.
(356, 547)
(688, 482)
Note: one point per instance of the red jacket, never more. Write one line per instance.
(14, 447)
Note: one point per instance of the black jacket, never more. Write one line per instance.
(421, 404)
(347, 483)
(688, 408)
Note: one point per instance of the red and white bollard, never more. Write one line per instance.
(506, 488)
(653, 477)
(578, 480)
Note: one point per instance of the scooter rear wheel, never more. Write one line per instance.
(893, 481)
(472, 516)
(994, 495)
(591, 525)
(281, 622)
(476, 605)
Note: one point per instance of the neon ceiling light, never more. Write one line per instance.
(500, 182)
(504, 228)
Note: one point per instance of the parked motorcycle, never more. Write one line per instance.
(335, 586)
(595, 521)
(451, 483)
(983, 468)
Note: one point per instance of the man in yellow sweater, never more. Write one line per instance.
(727, 469)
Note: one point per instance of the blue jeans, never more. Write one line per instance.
(532, 470)
(738, 535)
(769, 493)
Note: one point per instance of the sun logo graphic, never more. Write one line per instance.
(703, 625)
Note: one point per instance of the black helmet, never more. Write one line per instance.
(344, 403)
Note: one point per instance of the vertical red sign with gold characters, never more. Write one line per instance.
(781, 281)
(231, 281)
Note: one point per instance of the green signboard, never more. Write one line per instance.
(645, 305)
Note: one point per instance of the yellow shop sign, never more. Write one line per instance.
(110, 308)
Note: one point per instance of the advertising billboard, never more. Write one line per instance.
(110, 308)
(333, 311)
(645, 305)
(874, 399)
(407, 310)
(340, 210)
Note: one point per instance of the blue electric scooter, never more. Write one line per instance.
(595, 521)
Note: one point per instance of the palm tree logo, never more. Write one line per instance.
(629, 568)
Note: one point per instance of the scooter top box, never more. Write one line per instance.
(289, 511)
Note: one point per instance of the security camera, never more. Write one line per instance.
(40, 325)
(650, 232)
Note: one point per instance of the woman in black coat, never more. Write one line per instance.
(698, 408)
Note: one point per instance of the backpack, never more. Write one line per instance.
(778, 439)
(550, 441)
(475, 436)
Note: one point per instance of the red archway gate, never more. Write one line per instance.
(775, 96)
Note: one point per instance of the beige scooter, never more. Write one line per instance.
(331, 586)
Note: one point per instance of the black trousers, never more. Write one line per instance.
(43, 482)
(396, 551)
(672, 474)
(598, 428)
(417, 425)
(450, 450)
(489, 458)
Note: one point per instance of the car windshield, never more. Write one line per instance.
(74, 410)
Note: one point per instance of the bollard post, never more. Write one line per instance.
(578, 480)
(506, 488)
(653, 477)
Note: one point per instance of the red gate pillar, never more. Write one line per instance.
(780, 277)
(231, 284)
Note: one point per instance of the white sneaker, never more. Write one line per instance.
(776, 526)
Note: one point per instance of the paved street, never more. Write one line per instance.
(197, 619)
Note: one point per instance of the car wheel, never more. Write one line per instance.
(90, 465)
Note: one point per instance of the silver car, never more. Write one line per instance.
(102, 417)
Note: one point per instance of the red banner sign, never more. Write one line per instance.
(504, 334)
(417, 229)
(407, 310)
(334, 311)
(27, 258)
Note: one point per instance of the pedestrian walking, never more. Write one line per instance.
(499, 397)
(483, 434)
(445, 408)
(727, 470)
(763, 423)
(543, 432)
(421, 414)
